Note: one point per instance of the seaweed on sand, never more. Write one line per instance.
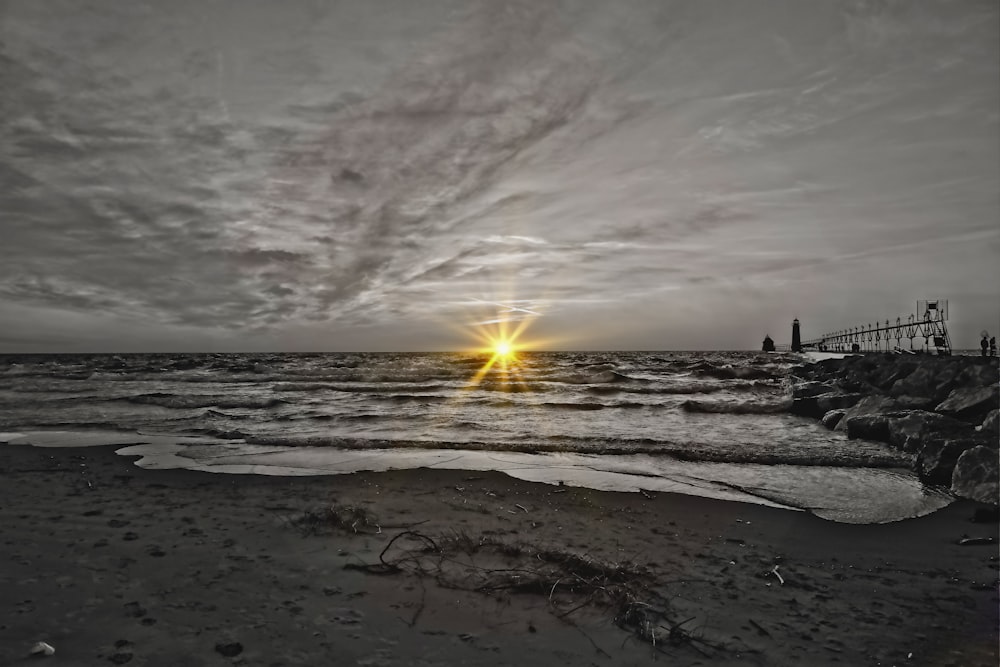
(343, 517)
(568, 580)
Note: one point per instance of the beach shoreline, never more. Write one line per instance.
(159, 567)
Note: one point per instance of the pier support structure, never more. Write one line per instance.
(887, 337)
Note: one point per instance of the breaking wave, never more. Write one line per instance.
(683, 451)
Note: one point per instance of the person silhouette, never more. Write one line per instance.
(984, 344)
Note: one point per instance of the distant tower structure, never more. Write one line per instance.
(796, 336)
(768, 345)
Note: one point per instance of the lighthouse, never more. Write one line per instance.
(796, 336)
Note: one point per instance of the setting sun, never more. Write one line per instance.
(503, 348)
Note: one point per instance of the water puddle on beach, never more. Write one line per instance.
(850, 495)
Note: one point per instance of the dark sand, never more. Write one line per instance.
(116, 565)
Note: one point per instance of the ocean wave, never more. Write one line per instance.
(200, 401)
(56, 424)
(741, 386)
(737, 407)
(574, 406)
(363, 417)
(52, 387)
(511, 387)
(304, 386)
(221, 434)
(422, 398)
(603, 376)
(730, 372)
(586, 405)
(289, 377)
(383, 388)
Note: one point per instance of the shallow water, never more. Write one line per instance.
(709, 424)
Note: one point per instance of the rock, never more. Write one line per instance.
(991, 424)
(978, 375)
(894, 370)
(908, 430)
(938, 457)
(229, 650)
(869, 427)
(837, 401)
(928, 405)
(932, 378)
(855, 383)
(817, 406)
(134, 609)
(832, 418)
(809, 389)
(916, 402)
(970, 403)
(42, 648)
(869, 405)
(976, 474)
(351, 175)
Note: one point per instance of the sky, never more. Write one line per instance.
(393, 175)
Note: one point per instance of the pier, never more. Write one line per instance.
(930, 326)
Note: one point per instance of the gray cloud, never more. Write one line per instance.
(248, 169)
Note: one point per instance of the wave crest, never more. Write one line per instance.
(737, 407)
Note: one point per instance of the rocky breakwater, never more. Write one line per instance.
(942, 410)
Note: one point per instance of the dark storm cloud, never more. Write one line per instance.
(256, 166)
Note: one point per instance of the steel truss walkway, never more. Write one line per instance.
(888, 337)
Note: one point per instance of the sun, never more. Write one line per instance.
(503, 348)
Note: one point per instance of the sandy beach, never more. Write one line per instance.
(110, 563)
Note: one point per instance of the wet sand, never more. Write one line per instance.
(112, 564)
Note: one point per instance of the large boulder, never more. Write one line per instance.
(891, 372)
(976, 474)
(832, 418)
(868, 427)
(818, 405)
(837, 401)
(937, 458)
(969, 403)
(932, 378)
(908, 430)
(869, 405)
(980, 373)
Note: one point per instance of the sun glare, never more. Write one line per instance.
(502, 344)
